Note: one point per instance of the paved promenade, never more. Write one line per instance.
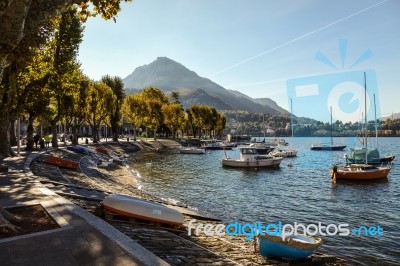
(82, 239)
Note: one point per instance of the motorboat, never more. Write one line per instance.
(284, 152)
(292, 247)
(261, 148)
(191, 150)
(250, 158)
(61, 162)
(215, 145)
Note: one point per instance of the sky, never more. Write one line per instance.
(306, 55)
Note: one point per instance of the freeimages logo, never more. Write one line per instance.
(313, 96)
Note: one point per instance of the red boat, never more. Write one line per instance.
(61, 162)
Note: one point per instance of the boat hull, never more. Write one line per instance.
(293, 248)
(342, 173)
(142, 209)
(61, 162)
(252, 163)
(192, 151)
(328, 148)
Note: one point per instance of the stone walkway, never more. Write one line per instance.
(82, 239)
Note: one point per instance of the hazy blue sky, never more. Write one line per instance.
(254, 46)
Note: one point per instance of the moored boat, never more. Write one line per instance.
(372, 156)
(261, 148)
(250, 158)
(359, 172)
(292, 247)
(284, 153)
(191, 150)
(142, 209)
(327, 147)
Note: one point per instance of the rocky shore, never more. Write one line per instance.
(101, 174)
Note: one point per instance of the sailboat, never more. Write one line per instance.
(361, 155)
(361, 171)
(328, 147)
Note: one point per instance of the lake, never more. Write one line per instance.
(302, 193)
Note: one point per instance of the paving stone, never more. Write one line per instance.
(49, 243)
(29, 261)
(124, 260)
(23, 248)
(59, 258)
(5, 257)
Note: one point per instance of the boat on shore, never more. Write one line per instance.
(293, 247)
(61, 162)
(142, 209)
(191, 150)
(250, 158)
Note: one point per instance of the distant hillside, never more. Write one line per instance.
(169, 75)
(392, 116)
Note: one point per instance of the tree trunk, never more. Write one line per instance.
(13, 137)
(75, 132)
(95, 134)
(4, 135)
(29, 134)
(54, 141)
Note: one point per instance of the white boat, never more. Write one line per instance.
(250, 158)
(142, 209)
(192, 150)
(284, 153)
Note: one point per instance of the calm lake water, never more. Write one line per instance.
(302, 193)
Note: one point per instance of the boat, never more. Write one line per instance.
(142, 209)
(328, 147)
(102, 150)
(261, 148)
(280, 152)
(359, 172)
(250, 158)
(215, 145)
(191, 150)
(80, 149)
(372, 155)
(364, 171)
(292, 247)
(61, 162)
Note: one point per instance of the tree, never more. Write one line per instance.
(174, 116)
(100, 96)
(117, 86)
(19, 19)
(67, 40)
(134, 110)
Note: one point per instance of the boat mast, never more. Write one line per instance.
(365, 122)
(331, 129)
(376, 126)
(291, 115)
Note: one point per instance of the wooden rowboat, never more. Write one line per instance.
(293, 247)
(142, 209)
(61, 162)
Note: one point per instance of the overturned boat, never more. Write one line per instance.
(142, 209)
(293, 247)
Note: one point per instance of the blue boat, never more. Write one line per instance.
(294, 247)
(80, 149)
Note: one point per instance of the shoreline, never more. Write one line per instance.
(194, 250)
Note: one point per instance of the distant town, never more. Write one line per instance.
(258, 125)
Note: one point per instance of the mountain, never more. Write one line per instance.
(169, 76)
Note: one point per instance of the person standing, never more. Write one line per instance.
(47, 140)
